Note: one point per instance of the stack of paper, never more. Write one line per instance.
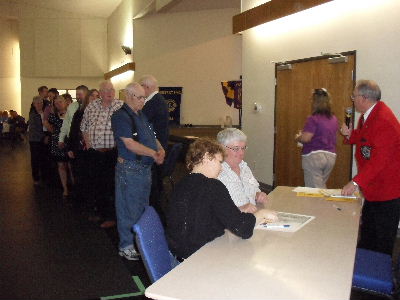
(330, 194)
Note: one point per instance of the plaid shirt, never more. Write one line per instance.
(96, 122)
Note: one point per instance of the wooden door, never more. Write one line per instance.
(292, 106)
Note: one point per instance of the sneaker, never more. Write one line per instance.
(129, 254)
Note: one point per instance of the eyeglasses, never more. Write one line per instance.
(352, 97)
(140, 97)
(237, 149)
(321, 92)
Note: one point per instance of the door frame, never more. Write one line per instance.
(351, 52)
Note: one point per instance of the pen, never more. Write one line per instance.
(277, 226)
(337, 207)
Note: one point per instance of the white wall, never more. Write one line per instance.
(195, 50)
(10, 85)
(57, 49)
(120, 32)
(371, 27)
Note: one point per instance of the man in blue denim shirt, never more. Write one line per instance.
(138, 149)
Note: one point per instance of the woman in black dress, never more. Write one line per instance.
(59, 155)
(201, 208)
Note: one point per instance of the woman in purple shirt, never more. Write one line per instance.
(319, 141)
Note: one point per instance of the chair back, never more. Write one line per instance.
(152, 245)
(373, 272)
(171, 159)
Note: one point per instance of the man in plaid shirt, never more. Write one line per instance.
(102, 154)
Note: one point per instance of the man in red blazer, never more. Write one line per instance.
(377, 140)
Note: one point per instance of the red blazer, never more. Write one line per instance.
(378, 154)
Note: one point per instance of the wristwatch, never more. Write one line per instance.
(354, 183)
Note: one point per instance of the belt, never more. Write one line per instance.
(121, 160)
(104, 149)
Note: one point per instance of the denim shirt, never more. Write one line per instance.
(121, 124)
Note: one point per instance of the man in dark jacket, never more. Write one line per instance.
(156, 111)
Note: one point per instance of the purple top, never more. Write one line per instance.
(324, 130)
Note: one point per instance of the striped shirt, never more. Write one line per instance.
(243, 188)
(96, 122)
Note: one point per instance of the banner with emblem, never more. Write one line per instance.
(173, 96)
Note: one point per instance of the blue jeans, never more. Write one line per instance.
(132, 191)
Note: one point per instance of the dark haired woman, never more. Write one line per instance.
(200, 208)
(319, 141)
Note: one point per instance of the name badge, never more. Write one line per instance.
(366, 152)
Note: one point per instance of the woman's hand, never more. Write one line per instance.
(266, 215)
(261, 197)
(248, 208)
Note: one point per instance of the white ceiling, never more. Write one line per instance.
(194, 5)
(96, 8)
(104, 8)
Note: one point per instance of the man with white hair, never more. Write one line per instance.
(156, 111)
(138, 149)
(377, 140)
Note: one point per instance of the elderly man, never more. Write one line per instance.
(138, 148)
(156, 111)
(377, 140)
(102, 155)
(81, 92)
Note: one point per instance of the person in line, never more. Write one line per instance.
(156, 110)
(59, 155)
(36, 136)
(319, 141)
(138, 149)
(81, 92)
(377, 140)
(236, 174)
(102, 155)
(200, 208)
(78, 154)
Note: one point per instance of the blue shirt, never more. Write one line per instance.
(121, 124)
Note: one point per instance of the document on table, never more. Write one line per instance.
(286, 222)
(333, 194)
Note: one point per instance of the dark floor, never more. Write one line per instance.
(49, 250)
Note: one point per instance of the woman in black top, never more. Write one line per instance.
(59, 155)
(201, 208)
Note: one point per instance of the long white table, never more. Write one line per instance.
(316, 262)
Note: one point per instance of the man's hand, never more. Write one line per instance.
(61, 145)
(349, 189)
(159, 157)
(346, 131)
(248, 208)
(261, 197)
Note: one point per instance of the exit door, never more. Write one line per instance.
(295, 82)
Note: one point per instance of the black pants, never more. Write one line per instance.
(102, 178)
(83, 190)
(38, 152)
(379, 222)
(156, 190)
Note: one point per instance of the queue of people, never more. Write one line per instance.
(113, 151)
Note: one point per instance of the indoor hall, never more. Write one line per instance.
(191, 45)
